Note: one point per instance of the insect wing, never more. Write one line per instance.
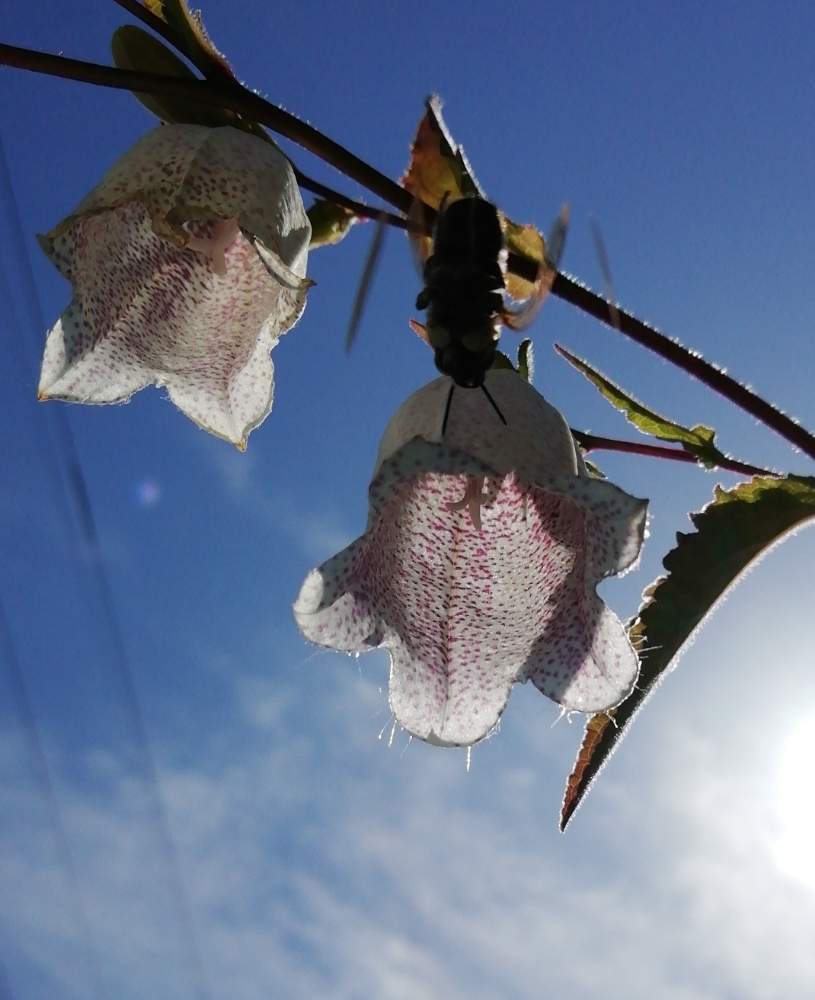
(520, 318)
(605, 267)
(365, 282)
(557, 238)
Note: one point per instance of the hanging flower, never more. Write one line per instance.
(479, 564)
(187, 263)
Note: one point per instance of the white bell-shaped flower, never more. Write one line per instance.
(479, 565)
(187, 263)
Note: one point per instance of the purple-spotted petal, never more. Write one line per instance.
(184, 173)
(474, 577)
(181, 279)
(583, 660)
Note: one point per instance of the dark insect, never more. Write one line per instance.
(464, 291)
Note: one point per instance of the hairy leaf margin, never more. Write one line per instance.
(733, 531)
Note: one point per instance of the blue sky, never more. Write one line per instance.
(297, 853)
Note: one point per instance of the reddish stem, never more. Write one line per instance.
(580, 295)
(357, 207)
(590, 442)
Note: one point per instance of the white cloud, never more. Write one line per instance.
(317, 530)
(318, 863)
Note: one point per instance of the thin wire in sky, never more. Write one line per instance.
(65, 452)
(5, 985)
(42, 777)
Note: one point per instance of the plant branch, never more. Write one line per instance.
(590, 442)
(211, 64)
(357, 207)
(237, 98)
(584, 298)
(200, 91)
(222, 94)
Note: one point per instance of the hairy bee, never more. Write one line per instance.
(464, 290)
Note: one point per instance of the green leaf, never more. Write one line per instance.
(735, 530)
(697, 440)
(136, 49)
(593, 469)
(526, 361)
(502, 361)
(330, 223)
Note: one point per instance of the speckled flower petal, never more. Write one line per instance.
(145, 311)
(173, 285)
(467, 610)
(191, 172)
(583, 660)
(535, 442)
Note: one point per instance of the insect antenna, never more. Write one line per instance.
(493, 404)
(447, 408)
(365, 282)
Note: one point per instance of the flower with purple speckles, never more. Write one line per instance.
(479, 564)
(187, 263)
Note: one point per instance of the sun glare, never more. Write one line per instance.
(795, 849)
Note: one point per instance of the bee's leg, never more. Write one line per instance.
(447, 408)
(493, 404)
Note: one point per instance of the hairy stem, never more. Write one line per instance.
(222, 94)
(357, 207)
(211, 64)
(584, 298)
(237, 98)
(590, 442)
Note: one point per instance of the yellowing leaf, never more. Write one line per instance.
(439, 171)
(527, 241)
(189, 22)
(438, 168)
(155, 7)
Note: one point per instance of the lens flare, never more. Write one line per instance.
(148, 493)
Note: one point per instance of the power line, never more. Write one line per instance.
(5, 985)
(83, 520)
(42, 777)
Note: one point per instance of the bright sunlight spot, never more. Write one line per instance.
(795, 850)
